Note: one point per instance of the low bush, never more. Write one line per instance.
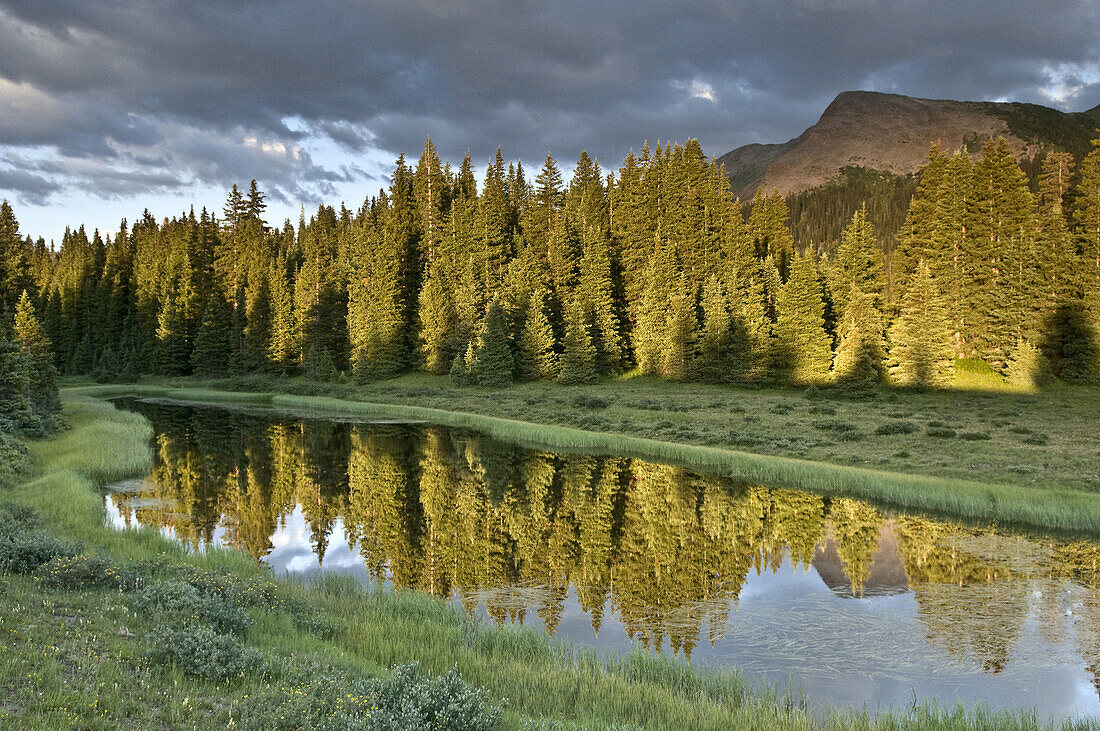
(79, 572)
(940, 432)
(1037, 439)
(833, 425)
(186, 605)
(975, 436)
(201, 651)
(589, 402)
(410, 700)
(896, 427)
(23, 553)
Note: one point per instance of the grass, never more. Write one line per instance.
(76, 656)
(947, 453)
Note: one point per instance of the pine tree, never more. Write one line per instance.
(1027, 367)
(596, 289)
(724, 342)
(681, 346)
(859, 262)
(42, 394)
(15, 274)
(921, 348)
(860, 354)
(578, 357)
(494, 366)
(213, 349)
(438, 322)
(538, 358)
(805, 351)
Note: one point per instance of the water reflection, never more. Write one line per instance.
(600, 549)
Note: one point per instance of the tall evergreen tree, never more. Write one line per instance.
(213, 350)
(494, 366)
(859, 361)
(921, 347)
(538, 358)
(859, 262)
(805, 351)
(578, 356)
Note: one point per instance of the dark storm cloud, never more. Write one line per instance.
(208, 92)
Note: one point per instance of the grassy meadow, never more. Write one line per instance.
(82, 638)
(987, 452)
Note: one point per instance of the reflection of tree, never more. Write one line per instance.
(458, 514)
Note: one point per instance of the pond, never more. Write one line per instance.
(854, 605)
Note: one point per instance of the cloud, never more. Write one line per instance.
(124, 97)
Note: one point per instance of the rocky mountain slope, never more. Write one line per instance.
(891, 133)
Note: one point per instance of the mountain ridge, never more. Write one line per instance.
(892, 133)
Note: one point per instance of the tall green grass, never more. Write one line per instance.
(1056, 509)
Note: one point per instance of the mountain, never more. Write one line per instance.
(891, 133)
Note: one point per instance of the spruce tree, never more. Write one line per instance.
(212, 352)
(860, 354)
(438, 322)
(921, 348)
(681, 339)
(805, 352)
(859, 262)
(1027, 367)
(578, 357)
(596, 288)
(724, 346)
(45, 403)
(538, 358)
(494, 366)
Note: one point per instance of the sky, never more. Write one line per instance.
(109, 107)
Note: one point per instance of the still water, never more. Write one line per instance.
(852, 605)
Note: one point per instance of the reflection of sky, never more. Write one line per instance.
(786, 626)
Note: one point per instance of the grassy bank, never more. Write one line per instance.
(634, 418)
(80, 655)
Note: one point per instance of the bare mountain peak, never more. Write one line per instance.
(892, 133)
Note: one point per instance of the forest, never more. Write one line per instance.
(654, 269)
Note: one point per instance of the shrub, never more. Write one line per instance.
(409, 700)
(833, 425)
(16, 518)
(941, 432)
(589, 402)
(1037, 439)
(896, 427)
(78, 572)
(975, 436)
(201, 651)
(23, 553)
(185, 603)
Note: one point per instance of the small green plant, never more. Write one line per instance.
(79, 572)
(941, 432)
(201, 651)
(1037, 440)
(833, 425)
(23, 553)
(184, 604)
(975, 436)
(896, 427)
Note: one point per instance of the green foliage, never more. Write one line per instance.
(921, 352)
(23, 552)
(860, 354)
(201, 651)
(800, 325)
(494, 364)
(79, 572)
(578, 357)
(212, 351)
(186, 605)
(537, 355)
(1027, 367)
